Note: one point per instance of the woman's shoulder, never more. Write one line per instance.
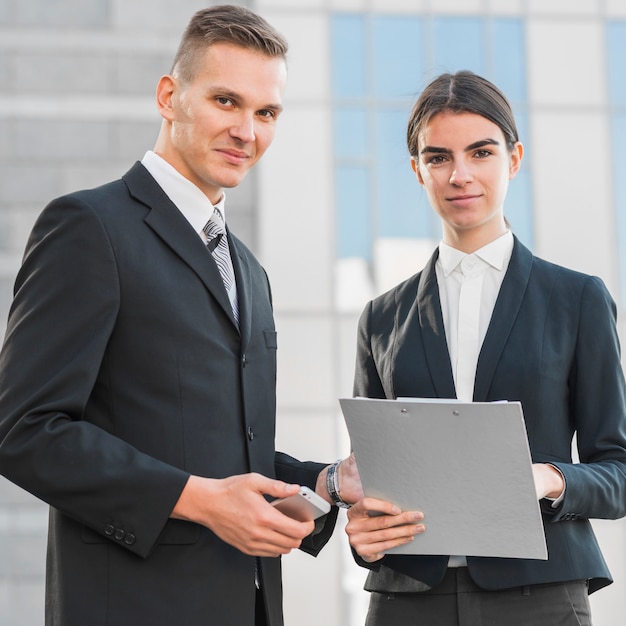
(570, 280)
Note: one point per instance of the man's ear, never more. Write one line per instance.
(164, 95)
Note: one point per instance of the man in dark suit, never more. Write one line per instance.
(137, 386)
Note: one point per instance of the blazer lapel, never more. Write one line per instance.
(174, 230)
(433, 331)
(503, 318)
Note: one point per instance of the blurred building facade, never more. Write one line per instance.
(333, 210)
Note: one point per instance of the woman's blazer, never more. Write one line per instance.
(551, 344)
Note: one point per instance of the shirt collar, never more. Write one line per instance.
(496, 253)
(188, 198)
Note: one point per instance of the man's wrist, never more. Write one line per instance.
(332, 485)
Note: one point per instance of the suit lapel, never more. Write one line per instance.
(433, 331)
(244, 288)
(174, 230)
(503, 318)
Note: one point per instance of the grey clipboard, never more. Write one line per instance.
(467, 466)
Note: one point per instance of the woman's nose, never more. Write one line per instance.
(461, 175)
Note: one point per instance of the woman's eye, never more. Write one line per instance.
(436, 160)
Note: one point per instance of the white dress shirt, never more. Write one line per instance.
(484, 270)
(189, 199)
(468, 289)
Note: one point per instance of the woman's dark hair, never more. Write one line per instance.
(461, 92)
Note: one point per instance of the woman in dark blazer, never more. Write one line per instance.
(485, 320)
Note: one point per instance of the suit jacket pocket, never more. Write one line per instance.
(271, 339)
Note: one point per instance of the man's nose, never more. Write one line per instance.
(243, 128)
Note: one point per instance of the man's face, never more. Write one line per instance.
(220, 124)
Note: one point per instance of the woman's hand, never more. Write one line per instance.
(375, 526)
(549, 481)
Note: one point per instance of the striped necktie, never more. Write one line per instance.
(217, 242)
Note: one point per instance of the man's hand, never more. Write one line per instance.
(375, 526)
(236, 511)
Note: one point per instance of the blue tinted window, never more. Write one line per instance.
(619, 191)
(616, 53)
(617, 62)
(350, 133)
(397, 188)
(508, 60)
(398, 56)
(347, 34)
(518, 206)
(353, 217)
(380, 63)
(458, 44)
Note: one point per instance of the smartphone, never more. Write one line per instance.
(303, 506)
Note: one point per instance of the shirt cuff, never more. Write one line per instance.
(557, 501)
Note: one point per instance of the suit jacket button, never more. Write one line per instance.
(119, 534)
(109, 529)
(129, 539)
(250, 433)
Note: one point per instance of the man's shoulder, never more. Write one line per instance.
(118, 186)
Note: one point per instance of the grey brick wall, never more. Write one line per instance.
(76, 110)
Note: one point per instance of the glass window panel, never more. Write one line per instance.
(508, 59)
(398, 56)
(353, 212)
(523, 130)
(518, 208)
(350, 133)
(379, 61)
(458, 44)
(398, 194)
(348, 56)
(619, 191)
(617, 62)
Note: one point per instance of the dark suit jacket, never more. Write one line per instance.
(122, 373)
(552, 344)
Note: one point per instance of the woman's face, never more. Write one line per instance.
(465, 166)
